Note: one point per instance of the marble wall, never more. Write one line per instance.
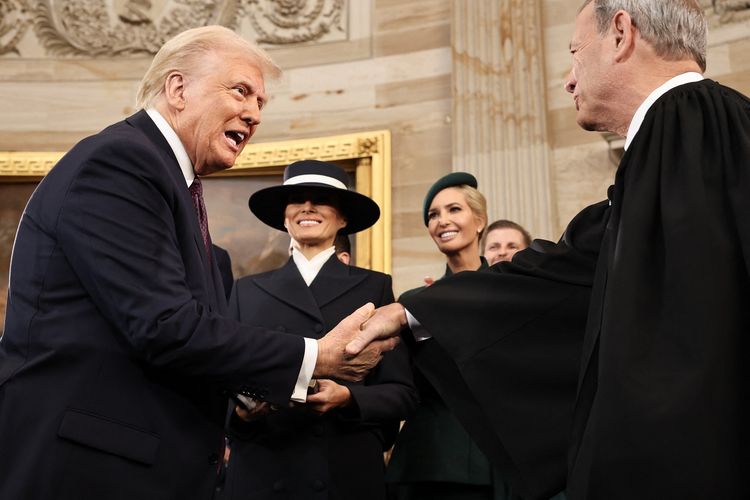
(380, 64)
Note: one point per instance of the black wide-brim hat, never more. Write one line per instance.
(269, 204)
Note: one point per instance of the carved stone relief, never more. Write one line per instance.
(125, 27)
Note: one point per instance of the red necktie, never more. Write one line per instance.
(196, 191)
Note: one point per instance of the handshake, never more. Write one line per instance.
(358, 342)
(348, 352)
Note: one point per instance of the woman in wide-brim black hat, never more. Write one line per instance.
(331, 446)
(317, 183)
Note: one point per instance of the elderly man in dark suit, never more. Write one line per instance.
(116, 354)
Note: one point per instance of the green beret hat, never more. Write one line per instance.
(451, 180)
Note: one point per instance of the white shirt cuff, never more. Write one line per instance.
(306, 371)
(416, 327)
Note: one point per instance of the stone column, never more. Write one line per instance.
(499, 110)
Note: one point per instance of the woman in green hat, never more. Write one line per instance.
(434, 458)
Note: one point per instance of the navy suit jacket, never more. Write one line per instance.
(116, 348)
(296, 453)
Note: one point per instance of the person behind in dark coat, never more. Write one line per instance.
(332, 446)
(616, 359)
(434, 457)
(116, 352)
(224, 264)
(502, 240)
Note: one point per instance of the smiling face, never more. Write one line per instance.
(216, 109)
(590, 80)
(313, 219)
(502, 244)
(452, 224)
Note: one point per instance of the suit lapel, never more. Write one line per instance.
(334, 280)
(211, 283)
(287, 285)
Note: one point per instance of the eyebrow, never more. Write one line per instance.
(254, 90)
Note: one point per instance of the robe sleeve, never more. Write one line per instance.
(505, 352)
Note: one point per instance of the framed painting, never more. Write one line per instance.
(252, 246)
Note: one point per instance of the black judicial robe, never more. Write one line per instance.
(643, 387)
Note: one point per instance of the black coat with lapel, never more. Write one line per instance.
(116, 347)
(295, 453)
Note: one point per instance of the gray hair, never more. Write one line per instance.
(182, 52)
(676, 29)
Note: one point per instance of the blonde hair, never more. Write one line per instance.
(182, 53)
(477, 203)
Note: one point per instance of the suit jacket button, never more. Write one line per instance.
(213, 459)
(318, 328)
(278, 485)
(319, 485)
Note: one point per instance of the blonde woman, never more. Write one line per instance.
(434, 457)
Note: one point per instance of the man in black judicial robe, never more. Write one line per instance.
(640, 391)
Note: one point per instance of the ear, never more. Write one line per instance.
(623, 33)
(174, 90)
(344, 223)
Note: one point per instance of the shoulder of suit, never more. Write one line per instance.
(118, 143)
(354, 270)
(411, 292)
(252, 278)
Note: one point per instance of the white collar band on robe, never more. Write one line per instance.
(309, 269)
(175, 143)
(640, 113)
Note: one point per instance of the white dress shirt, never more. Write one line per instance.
(309, 269)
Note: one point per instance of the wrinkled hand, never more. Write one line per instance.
(334, 362)
(385, 323)
(330, 395)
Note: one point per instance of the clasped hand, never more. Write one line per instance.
(358, 342)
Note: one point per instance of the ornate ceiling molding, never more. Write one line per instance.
(127, 27)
